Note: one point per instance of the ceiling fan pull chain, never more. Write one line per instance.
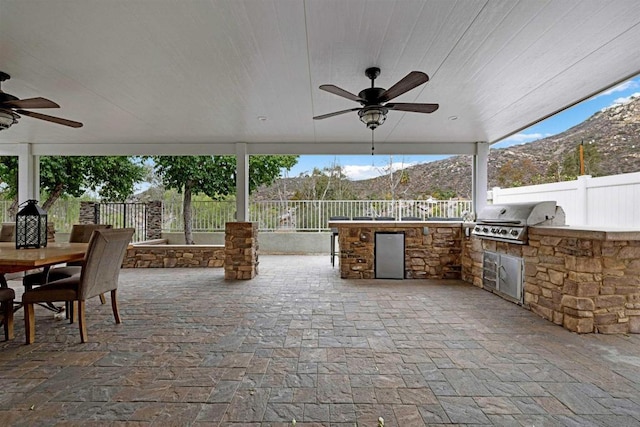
(372, 147)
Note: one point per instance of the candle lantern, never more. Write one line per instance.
(31, 226)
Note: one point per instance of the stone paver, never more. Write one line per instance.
(297, 342)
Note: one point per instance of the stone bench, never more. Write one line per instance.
(157, 253)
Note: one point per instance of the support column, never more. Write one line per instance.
(240, 250)
(242, 183)
(28, 174)
(480, 177)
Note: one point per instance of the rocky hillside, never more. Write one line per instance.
(614, 135)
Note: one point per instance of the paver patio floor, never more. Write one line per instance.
(300, 343)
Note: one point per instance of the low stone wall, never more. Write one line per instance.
(158, 254)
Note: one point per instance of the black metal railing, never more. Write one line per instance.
(124, 215)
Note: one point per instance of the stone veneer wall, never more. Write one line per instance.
(578, 279)
(154, 220)
(432, 255)
(241, 250)
(87, 212)
(174, 256)
(153, 217)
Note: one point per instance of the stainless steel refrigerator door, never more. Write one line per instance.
(389, 255)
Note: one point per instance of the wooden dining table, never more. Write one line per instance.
(14, 260)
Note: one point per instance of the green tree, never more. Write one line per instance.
(214, 176)
(112, 177)
(329, 183)
(571, 162)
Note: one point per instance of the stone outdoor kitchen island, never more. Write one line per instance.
(432, 249)
(586, 280)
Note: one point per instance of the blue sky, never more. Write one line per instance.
(367, 166)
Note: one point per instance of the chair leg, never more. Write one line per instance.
(81, 321)
(29, 323)
(8, 320)
(103, 300)
(114, 306)
(73, 308)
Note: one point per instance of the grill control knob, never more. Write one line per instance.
(485, 229)
(503, 231)
(514, 232)
(476, 229)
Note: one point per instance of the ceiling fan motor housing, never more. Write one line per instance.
(371, 95)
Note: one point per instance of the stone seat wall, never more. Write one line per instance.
(158, 254)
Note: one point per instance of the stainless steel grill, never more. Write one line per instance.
(509, 222)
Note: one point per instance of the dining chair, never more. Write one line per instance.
(80, 233)
(8, 232)
(99, 274)
(7, 295)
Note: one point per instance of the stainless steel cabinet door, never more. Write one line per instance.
(389, 256)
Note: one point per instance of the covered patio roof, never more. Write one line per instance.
(195, 76)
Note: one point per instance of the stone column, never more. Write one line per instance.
(241, 250)
(87, 212)
(154, 220)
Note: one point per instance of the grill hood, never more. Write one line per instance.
(522, 214)
(509, 222)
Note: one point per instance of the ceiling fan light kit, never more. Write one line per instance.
(374, 100)
(10, 106)
(7, 119)
(373, 116)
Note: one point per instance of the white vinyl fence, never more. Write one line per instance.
(608, 201)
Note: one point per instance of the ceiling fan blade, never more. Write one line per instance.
(408, 82)
(51, 119)
(337, 113)
(341, 92)
(414, 108)
(32, 103)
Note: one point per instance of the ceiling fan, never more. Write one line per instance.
(374, 99)
(10, 106)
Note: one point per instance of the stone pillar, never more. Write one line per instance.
(154, 220)
(51, 232)
(87, 212)
(241, 250)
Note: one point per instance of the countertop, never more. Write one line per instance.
(588, 232)
(357, 223)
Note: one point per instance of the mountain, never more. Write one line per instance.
(612, 133)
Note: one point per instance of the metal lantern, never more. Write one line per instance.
(31, 226)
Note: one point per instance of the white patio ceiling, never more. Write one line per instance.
(192, 77)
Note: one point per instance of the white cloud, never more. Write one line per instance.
(626, 99)
(360, 172)
(621, 101)
(629, 84)
(520, 138)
